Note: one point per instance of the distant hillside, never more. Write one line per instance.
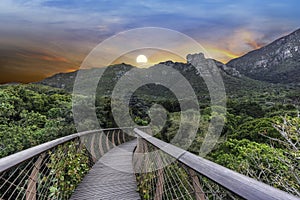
(66, 80)
(278, 62)
(233, 80)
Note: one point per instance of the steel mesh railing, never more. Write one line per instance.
(159, 176)
(164, 171)
(54, 169)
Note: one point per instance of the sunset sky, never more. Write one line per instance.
(39, 38)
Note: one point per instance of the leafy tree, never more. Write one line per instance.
(251, 130)
(259, 161)
(31, 115)
(249, 108)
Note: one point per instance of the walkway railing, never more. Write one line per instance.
(165, 171)
(54, 169)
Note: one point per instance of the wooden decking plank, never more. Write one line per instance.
(105, 182)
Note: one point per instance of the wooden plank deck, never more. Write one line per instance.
(111, 177)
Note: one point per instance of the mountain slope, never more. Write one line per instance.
(278, 62)
(66, 80)
(233, 81)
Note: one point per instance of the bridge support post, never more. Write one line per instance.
(33, 178)
(123, 134)
(107, 141)
(92, 146)
(137, 157)
(100, 144)
(119, 139)
(113, 138)
(199, 194)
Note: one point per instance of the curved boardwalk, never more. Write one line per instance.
(104, 182)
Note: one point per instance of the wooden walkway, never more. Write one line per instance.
(111, 177)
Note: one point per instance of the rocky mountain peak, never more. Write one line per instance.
(278, 62)
(199, 59)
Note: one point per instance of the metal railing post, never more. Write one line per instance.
(31, 190)
(94, 157)
(113, 138)
(107, 141)
(199, 194)
(124, 140)
(119, 140)
(100, 145)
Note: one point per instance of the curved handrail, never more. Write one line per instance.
(239, 184)
(33, 173)
(19, 157)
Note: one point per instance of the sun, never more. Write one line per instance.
(141, 59)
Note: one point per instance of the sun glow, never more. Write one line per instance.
(141, 59)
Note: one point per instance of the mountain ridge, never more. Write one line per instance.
(234, 82)
(277, 62)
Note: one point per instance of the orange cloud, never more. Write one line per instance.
(238, 43)
(43, 56)
(243, 40)
(220, 54)
(250, 38)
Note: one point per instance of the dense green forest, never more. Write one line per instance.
(31, 115)
(260, 138)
